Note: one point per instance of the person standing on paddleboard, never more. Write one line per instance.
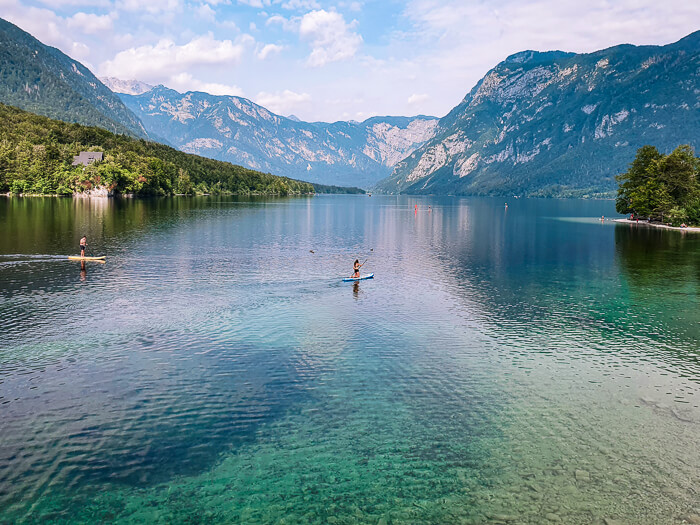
(356, 268)
(83, 245)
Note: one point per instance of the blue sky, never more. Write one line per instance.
(325, 60)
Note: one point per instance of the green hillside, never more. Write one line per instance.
(43, 80)
(36, 154)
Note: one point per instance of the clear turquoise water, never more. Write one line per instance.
(519, 365)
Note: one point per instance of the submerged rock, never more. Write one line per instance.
(502, 517)
(582, 475)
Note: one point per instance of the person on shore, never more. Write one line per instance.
(83, 245)
(602, 217)
(356, 269)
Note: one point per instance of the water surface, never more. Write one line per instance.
(515, 365)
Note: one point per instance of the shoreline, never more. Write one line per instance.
(135, 196)
(658, 225)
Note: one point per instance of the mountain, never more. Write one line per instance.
(237, 130)
(560, 124)
(129, 87)
(41, 79)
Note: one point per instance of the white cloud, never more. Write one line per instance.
(331, 38)
(255, 3)
(46, 26)
(301, 5)
(269, 49)
(185, 82)
(418, 98)
(205, 12)
(86, 3)
(80, 52)
(291, 25)
(149, 6)
(283, 103)
(90, 23)
(351, 6)
(165, 59)
(508, 26)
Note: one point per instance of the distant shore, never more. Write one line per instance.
(659, 225)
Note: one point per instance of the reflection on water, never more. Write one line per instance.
(525, 364)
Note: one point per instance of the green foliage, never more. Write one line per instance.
(324, 188)
(662, 187)
(36, 154)
(41, 79)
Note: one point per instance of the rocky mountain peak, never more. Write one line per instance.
(129, 87)
(536, 57)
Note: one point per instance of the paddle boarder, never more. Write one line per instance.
(356, 268)
(83, 245)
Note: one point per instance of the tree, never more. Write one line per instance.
(661, 187)
(635, 177)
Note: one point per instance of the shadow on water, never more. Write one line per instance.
(168, 409)
(652, 257)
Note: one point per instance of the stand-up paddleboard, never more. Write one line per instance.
(360, 278)
(79, 258)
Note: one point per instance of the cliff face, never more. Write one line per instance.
(237, 130)
(560, 124)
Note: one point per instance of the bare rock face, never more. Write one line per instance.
(237, 130)
(560, 124)
(99, 192)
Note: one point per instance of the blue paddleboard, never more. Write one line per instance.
(360, 278)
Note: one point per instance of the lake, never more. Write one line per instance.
(520, 364)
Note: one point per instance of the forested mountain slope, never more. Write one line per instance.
(43, 80)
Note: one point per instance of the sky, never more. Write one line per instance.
(336, 60)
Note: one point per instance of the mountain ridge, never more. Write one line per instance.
(237, 130)
(43, 80)
(559, 124)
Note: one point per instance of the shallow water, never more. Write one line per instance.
(516, 365)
